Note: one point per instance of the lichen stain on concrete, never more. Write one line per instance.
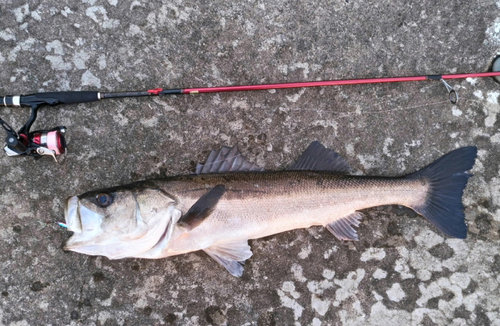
(373, 253)
(491, 109)
(287, 297)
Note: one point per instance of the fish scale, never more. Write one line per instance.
(286, 200)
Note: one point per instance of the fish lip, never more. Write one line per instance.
(84, 222)
(72, 216)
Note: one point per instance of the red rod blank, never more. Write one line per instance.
(332, 83)
(472, 75)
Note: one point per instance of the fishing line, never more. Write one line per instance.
(348, 115)
(336, 114)
(378, 112)
(414, 96)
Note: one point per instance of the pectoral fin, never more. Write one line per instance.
(202, 208)
(231, 255)
(342, 228)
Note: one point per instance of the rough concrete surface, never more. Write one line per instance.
(403, 271)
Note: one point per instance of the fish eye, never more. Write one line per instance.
(104, 199)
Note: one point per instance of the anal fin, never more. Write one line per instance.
(231, 255)
(342, 229)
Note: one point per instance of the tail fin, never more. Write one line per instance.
(447, 178)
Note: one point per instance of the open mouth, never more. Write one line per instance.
(79, 218)
(71, 215)
(84, 222)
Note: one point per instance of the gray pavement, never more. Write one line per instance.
(403, 271)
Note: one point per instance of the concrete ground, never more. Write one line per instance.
(403, 271)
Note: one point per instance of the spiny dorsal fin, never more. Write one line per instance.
(342, 229)
(202, 208)
(231, 255)
(318, 158)
(226, 159)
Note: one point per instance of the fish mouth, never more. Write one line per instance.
(81, 220)
(72, 216)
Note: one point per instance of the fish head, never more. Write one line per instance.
(119, 223)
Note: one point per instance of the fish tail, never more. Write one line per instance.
(447, 178)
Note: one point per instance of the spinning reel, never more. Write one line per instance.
(36, 143)
(39, 143)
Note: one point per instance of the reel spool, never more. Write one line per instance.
(53, 140)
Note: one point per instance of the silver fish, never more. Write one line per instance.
(229, 201)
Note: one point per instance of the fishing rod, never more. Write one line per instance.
(52, 142)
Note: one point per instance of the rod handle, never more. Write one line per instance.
(53, 98)
(50, 98)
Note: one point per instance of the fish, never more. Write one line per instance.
(229, 201)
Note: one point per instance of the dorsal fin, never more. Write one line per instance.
(203, 207)
(318, 158)
(226, 159)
